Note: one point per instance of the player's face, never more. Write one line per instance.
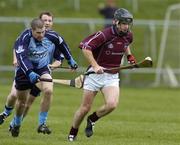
(38, 33)
(48, 21)
(123, 27)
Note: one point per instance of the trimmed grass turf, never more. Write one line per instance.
(144, 117)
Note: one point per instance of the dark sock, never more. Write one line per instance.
(7, 110)
(73, 131)
(93, 117)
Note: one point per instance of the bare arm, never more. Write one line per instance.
(14, 59)
(89, 56)
(128, 51)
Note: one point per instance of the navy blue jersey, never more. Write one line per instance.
(33, 54)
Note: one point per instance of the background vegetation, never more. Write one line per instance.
(74, 33)
(147, 9)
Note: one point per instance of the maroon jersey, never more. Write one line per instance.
(107, 46)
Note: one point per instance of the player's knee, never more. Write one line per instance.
(48, 91)
(112, 105)
(22, 104)
(85, 109)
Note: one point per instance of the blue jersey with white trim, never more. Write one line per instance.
(33, 54)
(40, 53)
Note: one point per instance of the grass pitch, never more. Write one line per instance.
(144, 117)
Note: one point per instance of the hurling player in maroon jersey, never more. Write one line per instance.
(103, 50)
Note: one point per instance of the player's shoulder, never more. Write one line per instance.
(25, 34)
(102, 33)
(52, 34)
(54, 37)
(108, 32)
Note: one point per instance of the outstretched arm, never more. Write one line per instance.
(14, 59)
(61, 47)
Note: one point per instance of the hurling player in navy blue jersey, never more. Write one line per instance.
(47, 17)
(103, 50)
(32, 52)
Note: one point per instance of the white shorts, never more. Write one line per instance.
(95, 82)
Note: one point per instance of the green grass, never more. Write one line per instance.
(144, 117)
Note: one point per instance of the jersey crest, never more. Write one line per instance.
(20, 49)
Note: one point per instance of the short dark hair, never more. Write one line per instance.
(37, 23)
(45, 13)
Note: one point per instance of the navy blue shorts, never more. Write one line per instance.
(22, 81)
(35, 91)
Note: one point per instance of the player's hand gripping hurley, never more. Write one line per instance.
(147, 62)
(78, 81)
